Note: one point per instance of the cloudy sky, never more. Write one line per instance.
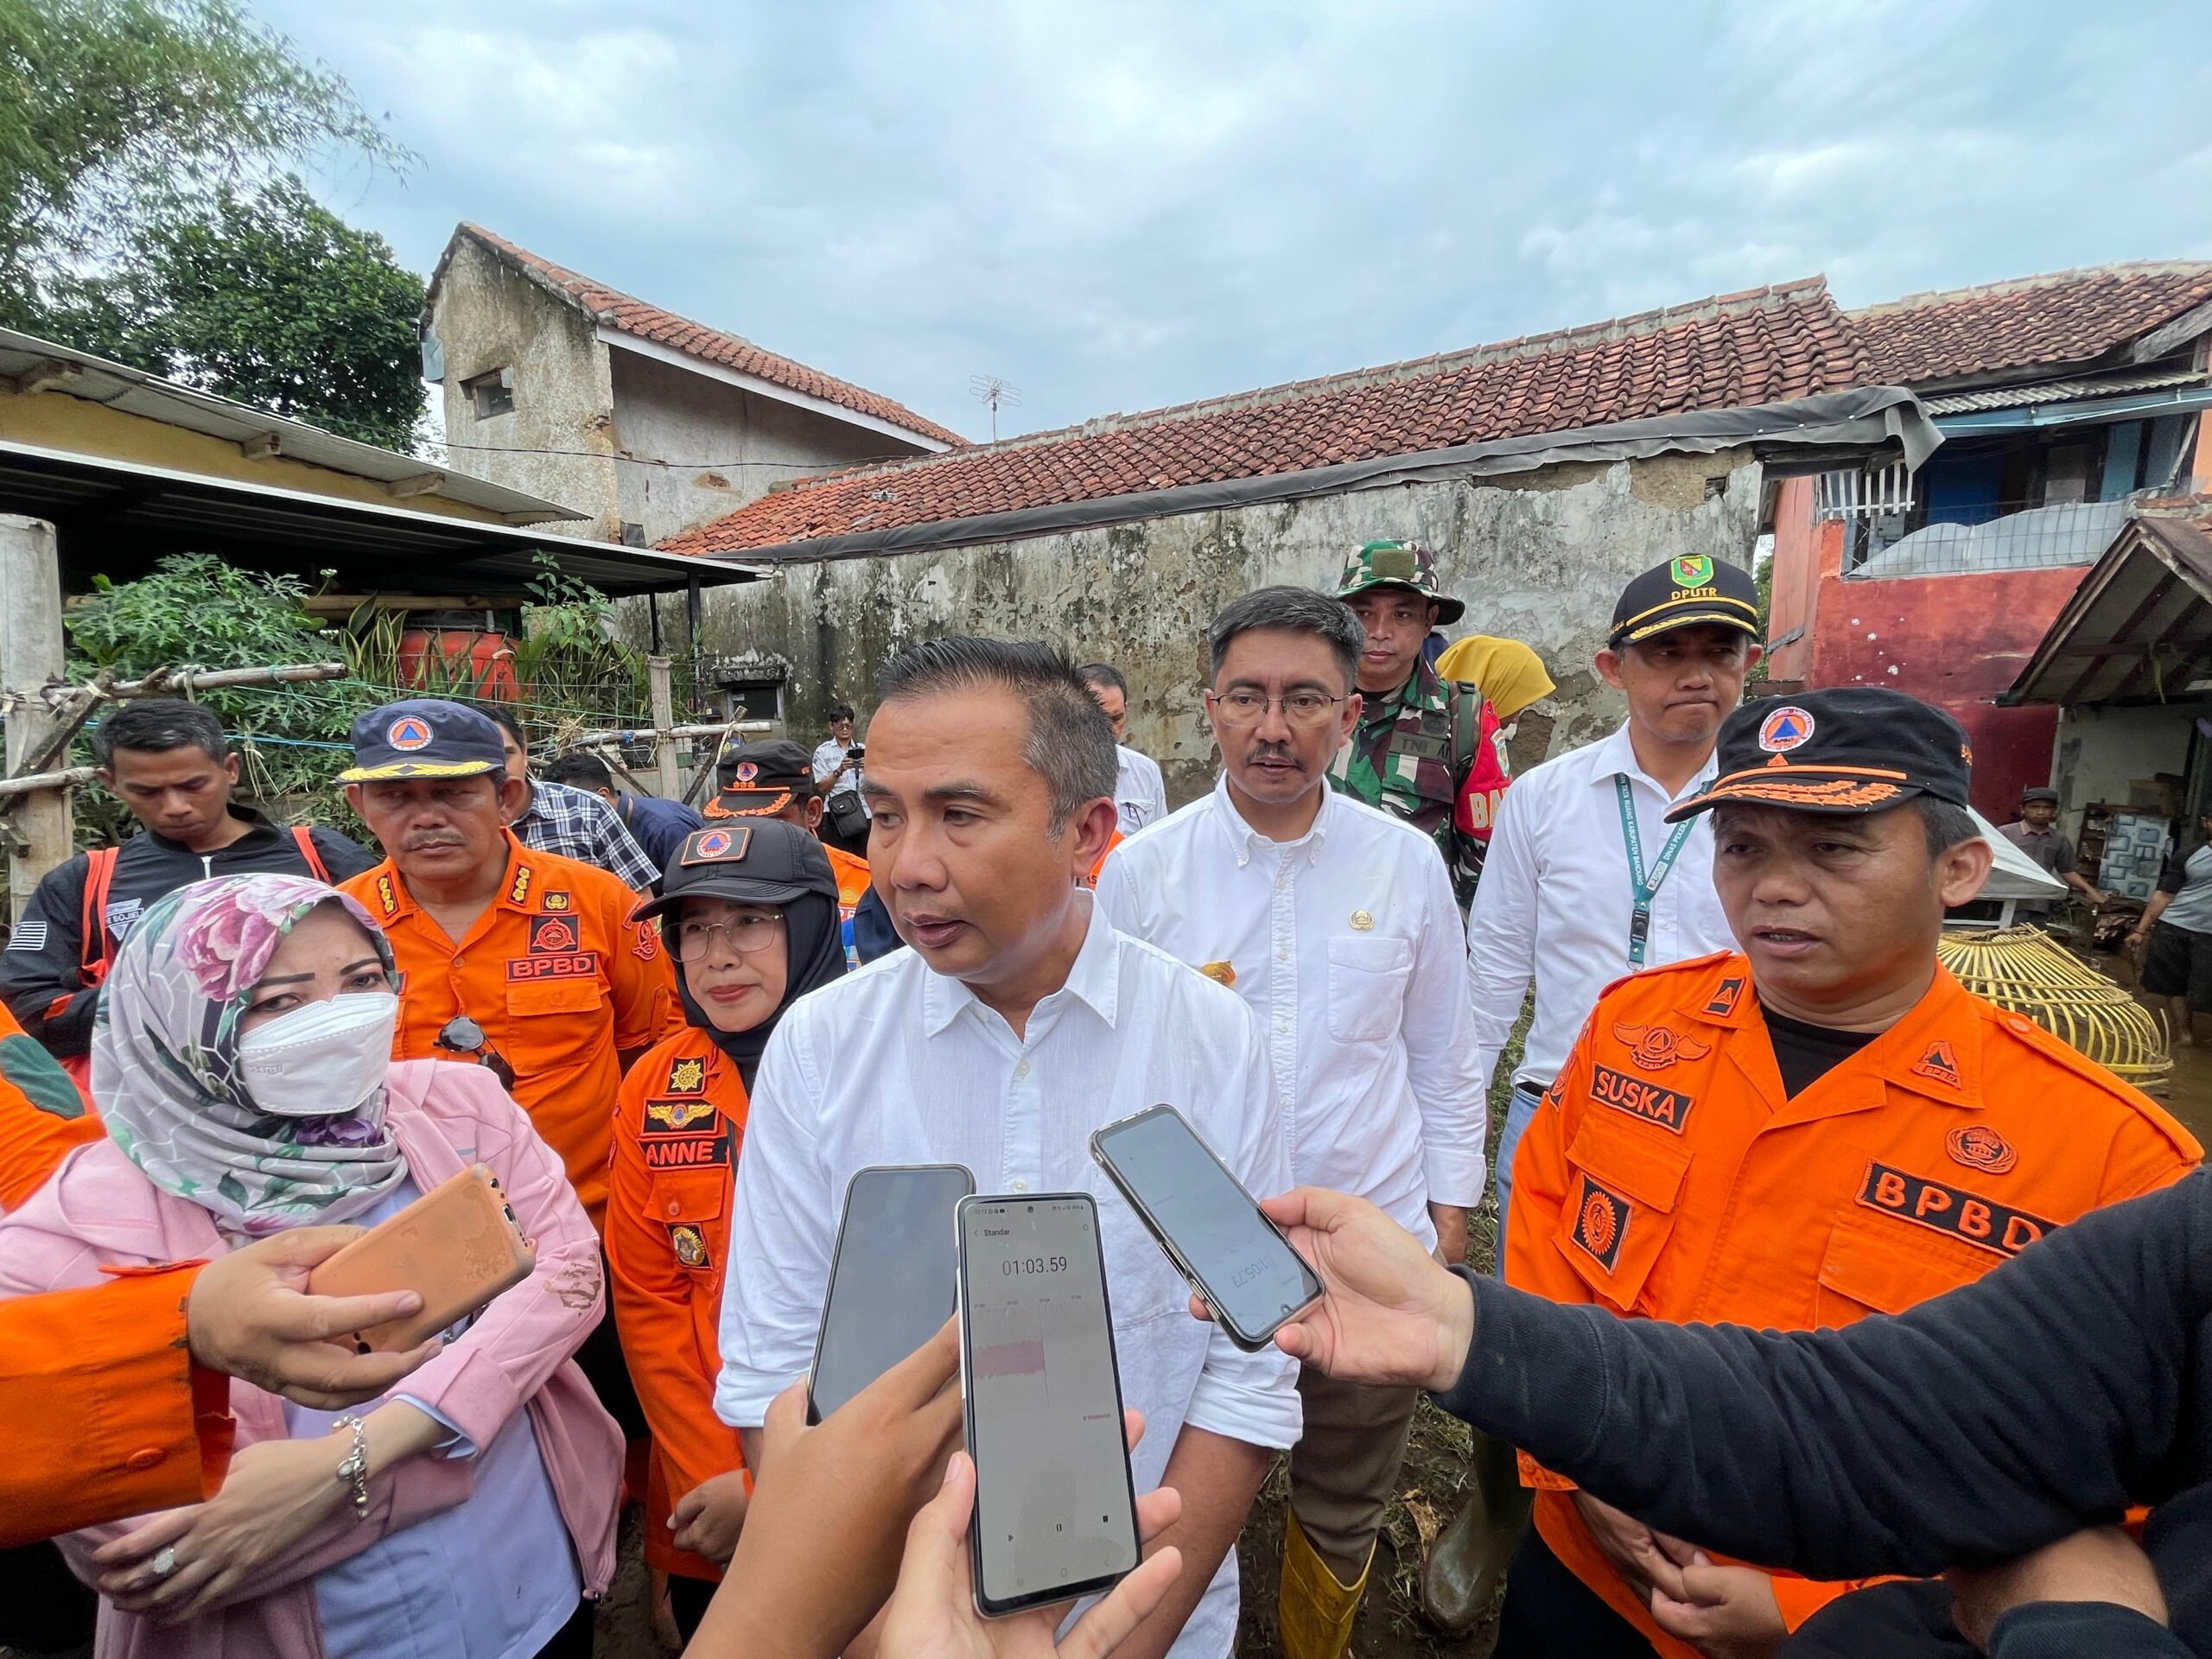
(1118, 206)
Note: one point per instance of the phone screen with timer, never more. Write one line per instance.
(1055, 1507)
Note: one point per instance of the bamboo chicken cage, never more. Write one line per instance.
(2024, 968)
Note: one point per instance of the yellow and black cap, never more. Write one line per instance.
(1688, 592)
(760, 780)
(423, 737)
(1853, 749)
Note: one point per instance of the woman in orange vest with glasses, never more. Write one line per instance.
(748, 909)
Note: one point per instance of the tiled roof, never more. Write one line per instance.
(2070, 317)
(1767, 345)
(613, 309)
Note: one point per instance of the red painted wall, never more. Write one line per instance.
(1803, 552)
(1954, 641)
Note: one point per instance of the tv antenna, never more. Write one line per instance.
(989, 389)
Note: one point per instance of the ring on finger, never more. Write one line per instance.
(165, 1560)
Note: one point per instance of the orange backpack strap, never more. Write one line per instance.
(93, 954)
(304, 834)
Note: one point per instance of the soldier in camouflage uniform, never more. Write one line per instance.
(1426, 749)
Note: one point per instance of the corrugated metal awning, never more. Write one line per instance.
(65, 370)
(2058, 391)
(2139, 626)
(116, 519)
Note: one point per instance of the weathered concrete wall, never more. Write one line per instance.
(666, 413)
(490, 317)
(1539, 558)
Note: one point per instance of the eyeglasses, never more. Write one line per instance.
(1239, 710)
(462, 1035)
(746, 936)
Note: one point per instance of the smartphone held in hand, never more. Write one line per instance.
(1055, 1506)
(458, 1246)
(890, 1277)
(1219, 1239)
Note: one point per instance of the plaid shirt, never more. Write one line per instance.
(575, 823)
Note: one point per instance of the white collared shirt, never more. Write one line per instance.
(1346, 943)
(1554, 901)
(898, 1064)
(1140, 792)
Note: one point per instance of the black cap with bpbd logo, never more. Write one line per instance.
(758, 860)
(1853, 749)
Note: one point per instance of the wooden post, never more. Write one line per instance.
(672, 774)
(30, 656)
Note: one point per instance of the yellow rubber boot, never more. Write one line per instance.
(1313, 1611)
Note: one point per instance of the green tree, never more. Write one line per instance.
(269, 298)
(114, 111)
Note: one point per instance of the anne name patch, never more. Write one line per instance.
(1665, 1106)
(687, 1152)
(1952, 1210)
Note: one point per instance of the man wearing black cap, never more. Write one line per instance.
(1584, 882)
(1583, 876)
(2035, 833)
(1819, 1124)
(776, 780)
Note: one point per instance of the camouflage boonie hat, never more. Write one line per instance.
(1397, 564)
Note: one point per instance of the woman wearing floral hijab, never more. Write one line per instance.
(242, 1065)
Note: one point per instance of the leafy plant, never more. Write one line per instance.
(197, 611)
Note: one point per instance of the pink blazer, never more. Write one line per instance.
(98, 1210)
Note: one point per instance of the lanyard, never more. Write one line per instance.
(1645, 888)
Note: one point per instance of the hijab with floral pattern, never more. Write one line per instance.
(165, 1064)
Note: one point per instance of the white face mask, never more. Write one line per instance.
(326, 1059)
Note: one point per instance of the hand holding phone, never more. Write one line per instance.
(1212, 1229)
(457, 1246)
(933, 1614)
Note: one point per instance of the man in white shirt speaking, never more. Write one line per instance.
(1140, 792)
(1019, 1022)
(1585, 882)
(1336, 922)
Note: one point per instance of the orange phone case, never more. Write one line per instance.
(459, 1245)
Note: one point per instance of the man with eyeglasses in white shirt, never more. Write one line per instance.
(1336, 922)
(1019, 1022)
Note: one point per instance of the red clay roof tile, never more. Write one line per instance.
(2068, 317)
(1765, 345)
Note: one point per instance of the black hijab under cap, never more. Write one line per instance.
(765, 861)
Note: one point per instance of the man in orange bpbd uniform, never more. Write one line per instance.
(524, 961)
(1823, 1124)
(749, 910)
(776, 780)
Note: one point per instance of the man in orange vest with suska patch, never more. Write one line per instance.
(1819, 1125)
